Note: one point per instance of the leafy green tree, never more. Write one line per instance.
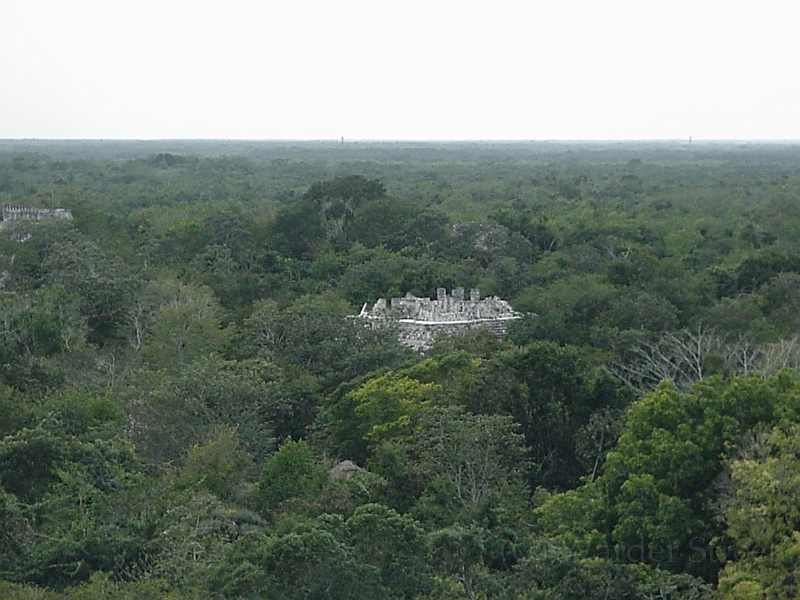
(298, 231)
(293, 471)
(219, 465)
(476, 456)
(389, 405)
(762, 515)
(62, 473)
(18, 591)
(459, 554)
(368, 411)
(320, 219)
(16, 412)
(173, 323)
(654, 500)
(29, 462)
(779, 300)
(756, 270)
(104, 284)
(382, 274)
(394, 544)
(189, 532)
(487, 243)
(314, 336)
(13, 533)
(35, 326)
(388, 222)
(568, 309)
(307, 562)
(534, 228)
(338, 199)
(174, 412)
(552, 392)
(551, 571)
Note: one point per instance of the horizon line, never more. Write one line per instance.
(345, 140)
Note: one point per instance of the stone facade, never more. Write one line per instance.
(29, 213)
(420, 320)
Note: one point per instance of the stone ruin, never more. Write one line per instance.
(29, 213)
(15, 214)
(421, 320)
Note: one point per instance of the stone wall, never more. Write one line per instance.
(29, 213)
(421, 320)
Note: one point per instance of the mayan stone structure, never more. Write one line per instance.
(421, 320)
(29, 213)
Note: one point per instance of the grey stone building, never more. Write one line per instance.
(421, 320)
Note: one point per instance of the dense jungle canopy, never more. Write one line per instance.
(180, 386)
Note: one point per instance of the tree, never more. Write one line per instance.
(219, 465)
(304, 562)
(293, 471)
(681, 357)
(458, 553)
(388, 222)
(313, 336)
(297, 231)
(173, 412)
(552, 391)
(44, 323)
(552, 571)
(534, 228)
(338, 199)
(173, 323)
(368, 411)
(762, 515)
(477, 456)
(654, 500)
(394, 544)
(102, 281)
(321, 218)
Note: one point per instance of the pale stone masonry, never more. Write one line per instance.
(29, 213)
(420, 320)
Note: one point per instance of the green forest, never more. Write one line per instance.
(187, 412)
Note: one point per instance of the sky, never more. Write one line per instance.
(400, 70)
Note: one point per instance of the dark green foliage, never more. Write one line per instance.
(314, 335)
(323, 217)
(755, 271)
(534, 229)
(291, 472)
(298, 231)
(173, 413)
(104, 284)
(345, 192)
(395, 545)
(394, 224)
(552, 392)
(308, 562)
(181, 383)
(15, 412)
(550, 571)
(655, 497)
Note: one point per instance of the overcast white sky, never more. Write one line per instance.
(384, 69)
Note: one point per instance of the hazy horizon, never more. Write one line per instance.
(426, 141)
(388, 70)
